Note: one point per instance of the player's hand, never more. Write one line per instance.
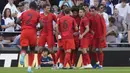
(103, 39)
(76, 34)
(80, 36)
(59, 37)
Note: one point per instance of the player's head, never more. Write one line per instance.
(67, 11)
(86, 7)
(93, 10)
(33, 5)
(75, 10)
(45, 52)
(82, 12)
(111, 21)
(123, 2)
(46, 8)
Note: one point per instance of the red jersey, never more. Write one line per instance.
(66, 26)
(47, 23)
(84, 22)
(88, 15)
(77, 19)
(30, 19)
(97, 24)
(61, 15)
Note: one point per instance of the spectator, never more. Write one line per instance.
(124, 11)
(108, 10)
(69, 3)
(96, 3)
(111, 31)
(12, 7)
(118, 21)
(46, 61)
(78, 2)
(105, 15)
(9, 21)
(55, 10)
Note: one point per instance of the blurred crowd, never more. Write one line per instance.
(115, 12)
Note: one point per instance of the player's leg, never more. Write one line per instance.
(67, 58)
(41, 44)
(50, 42)
(32, 44)
(24, 43)
(74, 53)
(85, 56)
(102, 45)
(68, 46)
(31, 58)
(22, 54)
(60, 56)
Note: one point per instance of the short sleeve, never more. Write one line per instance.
(85, 22)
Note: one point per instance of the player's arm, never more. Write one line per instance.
(75, 26)
(86, 24)
(86, 30)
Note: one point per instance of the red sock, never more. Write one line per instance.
(54, 57)
(30, 58)
(88, 59)
(39, 58)
(67, 59)
(95, 56)
(62, 56)
(74, 58)
(101, 58)
(84, 58)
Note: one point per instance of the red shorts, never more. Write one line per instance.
(68, 44)
(43, 39)
(60, 43)
(99, 43)
(85, 43)
(28, 38)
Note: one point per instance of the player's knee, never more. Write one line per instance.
(24, 48)
(84, 51)
(68, 51)
(100, 50)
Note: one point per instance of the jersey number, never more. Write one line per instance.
(65, 25)
(30, 18)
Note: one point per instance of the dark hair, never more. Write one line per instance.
(33, 5)
(93, 7)
(5, 16)
(45, 50)
(75, 8)
(101, 5)
(44, 6)
(112, 19)
(82, 9)
(67, 11)
(124, 1)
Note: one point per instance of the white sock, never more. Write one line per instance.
(97, 62)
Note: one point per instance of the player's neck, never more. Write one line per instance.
(67, 14)
(45, 13)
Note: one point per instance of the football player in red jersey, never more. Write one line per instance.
(46, 33)
(65, 30)
(29, 19)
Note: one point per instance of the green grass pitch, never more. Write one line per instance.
(49, 70)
